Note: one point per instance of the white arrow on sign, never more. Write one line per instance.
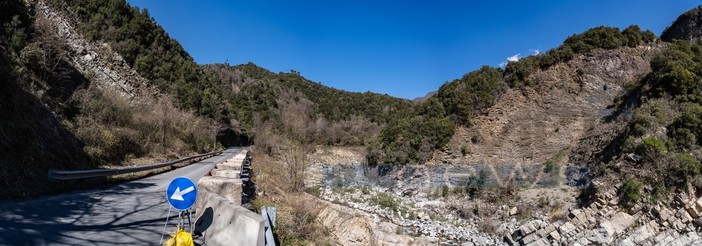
(178, 195)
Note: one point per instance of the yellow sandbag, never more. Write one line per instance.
(170, 241)
(180, 238)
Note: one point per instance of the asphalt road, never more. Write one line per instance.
(131, 213)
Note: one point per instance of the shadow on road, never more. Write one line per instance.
(76, 218)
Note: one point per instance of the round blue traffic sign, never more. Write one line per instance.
(181, 193)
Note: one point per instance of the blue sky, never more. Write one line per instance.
(402, 48)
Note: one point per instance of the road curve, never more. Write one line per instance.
(131, 213)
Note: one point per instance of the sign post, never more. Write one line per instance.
(181, 195)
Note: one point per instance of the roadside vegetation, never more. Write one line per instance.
(54, 117)
(280, 175)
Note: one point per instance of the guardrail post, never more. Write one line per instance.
(270, 240)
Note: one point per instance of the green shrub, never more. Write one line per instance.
(676, 70)
(650, 116)
(630, 191)
(314, 190)
(365, 190)
(549, 166)
(684, 169)
(445, 191)
(686, 131)
(473, 93)
(542, 202)
(475, 139)
(337, 185)
(652, 148)
(464, 150)
(410, 140)
(474, 185)
(385, 200)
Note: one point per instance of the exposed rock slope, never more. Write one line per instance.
(534, 124)
(688, 26)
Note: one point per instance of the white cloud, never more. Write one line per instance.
(514, 58)
(535, 51)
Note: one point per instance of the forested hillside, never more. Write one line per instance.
(305, 111)
(147, 48)
(459, 101)
(72, 103)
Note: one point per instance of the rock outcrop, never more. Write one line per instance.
(89, 58)
(605, 223)
(688, 26)
(534, 124)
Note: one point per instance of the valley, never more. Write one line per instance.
(595, 141)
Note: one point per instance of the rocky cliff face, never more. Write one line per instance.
(687, 27)
(95, 61)
(533, 125)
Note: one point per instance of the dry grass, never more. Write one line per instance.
(115, 130)
(297, 212)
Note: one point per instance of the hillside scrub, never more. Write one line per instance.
(114, 130)
(280, 175)
(517, 73)
(665, 128)
(146, 47)
(55, 117)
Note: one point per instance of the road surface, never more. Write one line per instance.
(132, 213)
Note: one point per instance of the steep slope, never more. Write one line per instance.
(73, 103)
(33, 137)
(531, 125)
(463, 101)
(686, 27)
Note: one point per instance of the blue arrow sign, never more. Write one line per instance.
(181, 193)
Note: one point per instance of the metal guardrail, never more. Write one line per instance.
(84, 174)
(269, 217)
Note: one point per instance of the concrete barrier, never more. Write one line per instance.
(225, 223)
(220, 217)
(230, 166)
(227, 173)
(229, 188)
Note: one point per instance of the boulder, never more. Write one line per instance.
(644, 232)
(600, 236)
(613, 227)
(683, 215)
(664, 213)
(694, 211)
(565, 228)
(554, 235)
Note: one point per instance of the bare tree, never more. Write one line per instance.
(296, 163)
